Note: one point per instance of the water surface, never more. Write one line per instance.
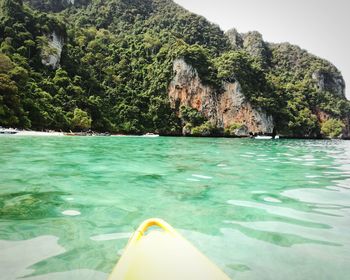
(259, 209)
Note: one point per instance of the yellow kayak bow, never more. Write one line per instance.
(157, 252)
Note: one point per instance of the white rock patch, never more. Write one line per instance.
(55, 43)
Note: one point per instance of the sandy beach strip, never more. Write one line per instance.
(17, 132)
(38, 133)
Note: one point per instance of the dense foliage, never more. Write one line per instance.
(116, 65)
(332, 128)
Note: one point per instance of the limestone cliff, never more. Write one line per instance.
(252, 42)
(51, 53)
(291, 58)
(221, 108)
(329, 81)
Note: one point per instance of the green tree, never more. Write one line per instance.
(192, 116)
(10, 106)
(332, 128)
(5, 64)
(81, 120)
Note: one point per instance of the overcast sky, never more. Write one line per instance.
(320, 26)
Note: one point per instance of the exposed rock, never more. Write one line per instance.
(51, 54)
(327, 81)
(235, 38)
(241, 132)
(346, 130)
(327, 78)
(187, 89)
(222, 109)
(234, 108)
(254, 44)
(295, 60)
(186, 130)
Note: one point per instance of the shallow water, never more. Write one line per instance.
(260, 209)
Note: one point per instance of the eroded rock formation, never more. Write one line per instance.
(51, 54)
(223, 109)
(330, 82)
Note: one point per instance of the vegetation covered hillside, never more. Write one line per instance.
(107, 65)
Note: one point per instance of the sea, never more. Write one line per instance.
(259, 209)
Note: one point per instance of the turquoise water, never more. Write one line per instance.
(259, 209)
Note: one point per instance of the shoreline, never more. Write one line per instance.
(38, 133)
(50, 133)
(19, 132)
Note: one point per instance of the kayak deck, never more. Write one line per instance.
(157, 251)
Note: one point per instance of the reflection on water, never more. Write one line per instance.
(259, 209)
(112, 236)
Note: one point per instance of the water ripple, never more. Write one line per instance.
(254, 208)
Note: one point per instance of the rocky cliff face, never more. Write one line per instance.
(326, 76)
(51, 54)
(223, 109)
(331, 82)
(234, 108)
(252, 42)
(294, 59)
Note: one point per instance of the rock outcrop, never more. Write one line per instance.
(327, 78)
(223, 109)
(329, 81)
(235, 38)
(234, 108)
(51, 54)
(252, 42)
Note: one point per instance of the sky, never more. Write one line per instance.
(322, 27)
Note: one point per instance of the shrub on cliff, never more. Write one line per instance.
(205, 129)
(233, 129)
(332, 128)
(191, 116)
(239, 66)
